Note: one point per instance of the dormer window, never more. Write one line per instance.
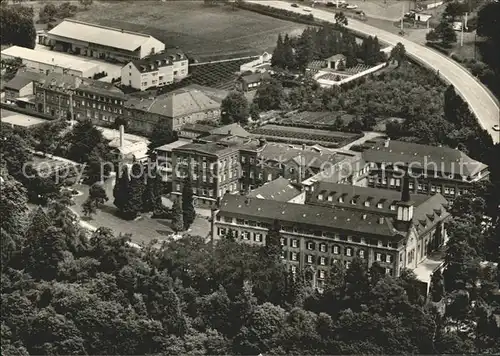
(341, 199)
(379, 205)
(367, 203)
(393, 207)
(320, 196)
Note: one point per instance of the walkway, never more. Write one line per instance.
(480, 100)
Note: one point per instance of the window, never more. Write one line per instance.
(398, 182)
(388, 258)
(322, 261)
(446, 190)
(309, 259)
(341, 199)
(283, 241)
(295, 243)
(438, 189)
(294, 269)
(433, 188)
(348, 251)
(294, 256)
(379, 205)
(177, 187)
(367, 203)
(388, 271)
(362, 253)
(310, 245)
(336, 250)
(320, 196)
(243, 159)
(322, 247)
(258, 237)
(452, 191)
(246, 235)
(379, 257)
(330, 198)
(393, 207)
(410, 184)
(321, 274)
(392, 182)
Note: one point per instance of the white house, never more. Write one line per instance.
(155, 71)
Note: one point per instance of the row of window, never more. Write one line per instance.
(367, 203)
(321, 274)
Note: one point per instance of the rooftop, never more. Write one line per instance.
(336, 57)
(102, 35)
(22, 79)
(206, 129)
(446, 160)
(234, 129)
(22, 120)
(339, 171)
(255, 77)
(51, 58)
(69, 82)
(170, 146)
(155, 61)
(309, 216)
(180, 102)
(279, 189)
(214, 149)
(359, 198)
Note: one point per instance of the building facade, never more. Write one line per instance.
(155, 71)
(100, 42)
(433, 170)
(69, 97)
(315, 236)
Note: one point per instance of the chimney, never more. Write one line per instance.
(122, 134)
(386, 142)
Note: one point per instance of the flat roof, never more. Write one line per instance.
(169, 146)
(97, 34)
(22, 120)
(50, 58)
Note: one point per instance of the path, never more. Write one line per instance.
(367, 136)
(480, 100)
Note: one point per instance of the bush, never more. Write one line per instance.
(278, 13)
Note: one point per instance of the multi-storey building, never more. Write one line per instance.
(213, 169)
(395, 233)
(433, 169)
(177, 108)
(66, 96)
(155, 71)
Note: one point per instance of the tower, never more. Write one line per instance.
(405, 205)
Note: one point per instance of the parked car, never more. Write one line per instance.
(307, 9)
(351, 7)
(496, 127)
(295, 5)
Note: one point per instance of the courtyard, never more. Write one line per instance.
(143, 229)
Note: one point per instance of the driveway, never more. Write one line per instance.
(367, 136)
(480, 100)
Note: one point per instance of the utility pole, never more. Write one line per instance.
(462, 31)
(402, 17)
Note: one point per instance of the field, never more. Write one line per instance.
(200, 30)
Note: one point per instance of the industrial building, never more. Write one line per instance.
(51, 62)
(101, 42)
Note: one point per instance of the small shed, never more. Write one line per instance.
(337, 61)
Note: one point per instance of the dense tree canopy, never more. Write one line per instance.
(17, 27)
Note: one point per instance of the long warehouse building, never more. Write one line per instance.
(101, 42)
(51, 62)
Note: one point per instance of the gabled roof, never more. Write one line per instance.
(336, 57)
(447, 160)
(331, 192)
(97, 34)
(199, 128)
(213, 149)
(279, 189)
(306, 215)
(153, 62)
(22, 79)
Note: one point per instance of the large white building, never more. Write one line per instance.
(155, 71)
(51, 62)
(100, 41)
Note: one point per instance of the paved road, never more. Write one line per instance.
(480, 100)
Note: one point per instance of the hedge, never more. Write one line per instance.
(307, 19)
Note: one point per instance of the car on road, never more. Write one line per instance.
(295, 5)
(351, 7)
(496, 127)
(307, 9)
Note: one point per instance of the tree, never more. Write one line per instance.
(278, 58)
(288, 54)
(89, 207)
(273, 241)
(453, 10)
(120, 190)
(85, 139)
(17, 26)
(47, 13)
(177, 219)
(234, 108)
(161, 135)
(487, 21)
(132, 205)
(86, 3)
(96, 169)
(443, 32)
(152, 193)
(305, 49)
(188, 211)
(97, 194)
(398, 53)
(437, 286)
(341, 19)
(270, 95)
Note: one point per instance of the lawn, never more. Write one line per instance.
(143, 230)
(199, 30)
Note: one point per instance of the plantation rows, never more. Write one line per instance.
(216, 75)
(300, 135)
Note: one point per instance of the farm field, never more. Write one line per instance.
(200, 30)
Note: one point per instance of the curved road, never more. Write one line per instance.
(479, 99)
